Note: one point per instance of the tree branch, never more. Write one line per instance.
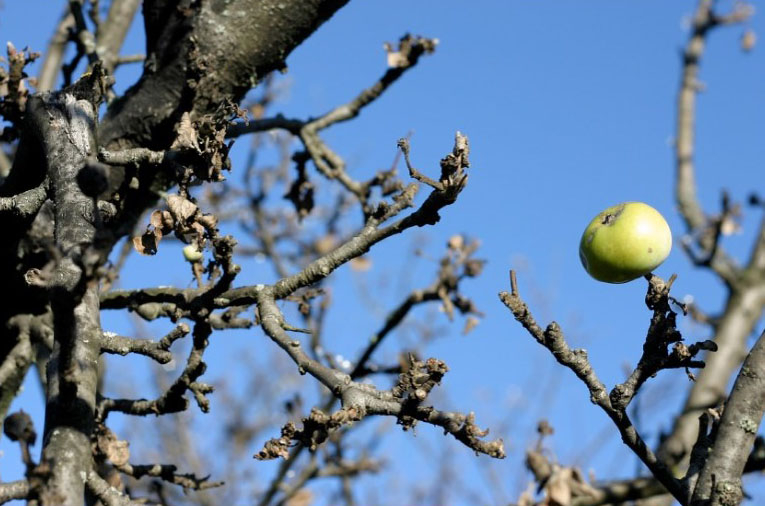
(112, 32)
(685, 190)
(746, 299)
(167, 472)
(106, 493)
(577, 361)
(64, 125)
(173, 400)
(16, 363)
(158, 350)
(51, 65)
(14, 490)
(25, 205)
(719, 482)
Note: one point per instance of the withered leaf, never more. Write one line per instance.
(147, 243)
(187, 134)
(181, 208)
(156, 219)
(117, 451)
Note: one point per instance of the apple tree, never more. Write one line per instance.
(94, 171)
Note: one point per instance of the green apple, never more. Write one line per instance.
(192, 254)
(625, 242)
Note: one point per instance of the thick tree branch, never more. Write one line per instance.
(109, 495)
(64, 125)
(742, 310)
(685, 190)
(236, 59)
(112, 32)
(720, 480)
(746, 299)
(51, 66)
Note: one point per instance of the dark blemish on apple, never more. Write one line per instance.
(609, 218)
(650, 250)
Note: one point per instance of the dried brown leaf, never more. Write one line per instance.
(117, 451)
(147, 243)
(180, 207)
(209, 221)
(156, 219)
(187, 134)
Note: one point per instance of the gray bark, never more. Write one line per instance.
(720, 480)
(64, 125)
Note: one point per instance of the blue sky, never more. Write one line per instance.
(569, 107)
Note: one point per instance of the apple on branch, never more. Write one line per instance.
(624, 242)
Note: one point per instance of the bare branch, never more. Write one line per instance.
(756, 263)
(51, 65)
(85, 38)
(26, 204)
(404, 402)
(65, 122)
(16, 363)
(167, 472)
(621, 491)
(263, 125)
(158, 350)
(577, 361)
(746, 299)
(661, 334)
(427, 214)
(329, 163)
(112, 32)
(720, 479)
(14, 490)
(404, 146)
(133, 156)
(685, 190)
(108, 494)
(173, 400)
